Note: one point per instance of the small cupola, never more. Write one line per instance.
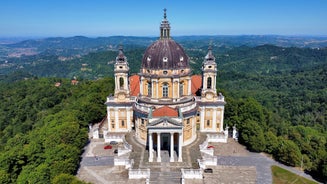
(165, 27)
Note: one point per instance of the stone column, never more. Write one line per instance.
(116, 120)
(157, 86)
(222, 119)
(141, 86)
(189, 87)
(202, 119)
(180, 144)
(108, 118)
(173, 89)
(150, 148)
(171, 146)
(214, 119)
(152, 86)
(128, 117)
(158, 147)
(125, 82)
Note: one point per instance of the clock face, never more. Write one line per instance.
(209, 96)
(121, 96)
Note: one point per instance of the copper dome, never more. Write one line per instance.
(165, 54)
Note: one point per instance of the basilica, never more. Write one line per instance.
(164, 104)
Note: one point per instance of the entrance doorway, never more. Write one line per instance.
(165, 142)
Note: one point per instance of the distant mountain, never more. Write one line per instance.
(83, 43)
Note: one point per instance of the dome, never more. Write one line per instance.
(165, 54)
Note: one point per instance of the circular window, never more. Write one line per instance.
(165, 72)
(165, 59)
(209, 66)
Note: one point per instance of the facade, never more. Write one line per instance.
(164, 103)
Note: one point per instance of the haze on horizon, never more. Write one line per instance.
(19, 18)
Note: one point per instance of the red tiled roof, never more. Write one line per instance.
(134, 84)
(196, 81)
(165, 111)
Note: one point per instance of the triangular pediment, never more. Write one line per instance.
(165, 122)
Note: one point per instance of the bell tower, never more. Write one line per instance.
(209, 75)
(121, 75)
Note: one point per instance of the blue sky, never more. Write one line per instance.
(142, 18)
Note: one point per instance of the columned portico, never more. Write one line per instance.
(163, 128)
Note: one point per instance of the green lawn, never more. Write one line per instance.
(281, 176)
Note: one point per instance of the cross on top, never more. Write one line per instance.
(165, 16)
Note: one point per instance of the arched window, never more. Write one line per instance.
(121, 82)
(181, 89)
(149, 89)
(209, 83)
(165, 90)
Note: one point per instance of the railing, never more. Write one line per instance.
(209, 160)
(187, 108)
(204, 145)
(192, 174)
(142, 108)
(124, 162)
(117, 138)
(112, 98)
(138, 173)
(217, 138)
(220, 98)
(127, 148)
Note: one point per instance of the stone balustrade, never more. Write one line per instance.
(123, 162)
(188, 107)
(138, 173)
(217, 137)
(192, 174)
(142, 108)
(109, 138)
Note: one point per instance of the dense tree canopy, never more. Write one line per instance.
(45, 127)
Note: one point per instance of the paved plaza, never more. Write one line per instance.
(234, 164)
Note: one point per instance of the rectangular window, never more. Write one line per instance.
(188, 121)
(142, 121)
(181, 90)
(149, 89)
(122, 123)
(208, 122)
(112, 125)
(165, 90)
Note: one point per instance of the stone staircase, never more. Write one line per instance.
(165, 177)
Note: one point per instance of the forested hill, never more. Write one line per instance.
(43, 126)
(277, 97)
(264, 59)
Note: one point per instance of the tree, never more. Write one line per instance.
(251, 134)
(66, 179)
(271, 142)
(288, 152)
(4, 177)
